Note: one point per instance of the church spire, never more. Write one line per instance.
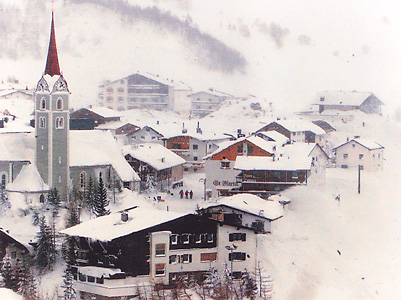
(52, 65)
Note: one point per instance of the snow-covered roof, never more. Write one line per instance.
(105, 112)
(214, 93)
(343, 98)
(363, 142)
(280, 199)
(155, 155)
(110, 227)
(16, 147)
(28, 181)
(112, 125)
(252, 204)
(98, 271)
(294, 163)
(298, 150)
(279, 138)
(261, 143)
(10, 92)
(96, 147)
(297, 125)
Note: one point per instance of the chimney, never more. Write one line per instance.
(239, 133)
(274, 157)
(124, 216)
(198, 129)
(157, 122)
(357, 136)
(184, 130)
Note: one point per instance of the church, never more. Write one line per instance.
(62, 159)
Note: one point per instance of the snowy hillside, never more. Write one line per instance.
(274, 51)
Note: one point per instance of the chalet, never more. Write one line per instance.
(118, 252)
(142, 90)
(99, 115)
(245, 210)
(145, 134)
(205, 102)
(163, 165)
(346, 101)
(299, 164)
(298, 131)
(220, 174)
(193, 146)
(120, 130)
(359, 152)
(12, 247)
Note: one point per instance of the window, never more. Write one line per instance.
(3, 180)
(186, 258)
(225, 164)
(344, 166)
(110, 89)
(277, 174)
(345, 155)
(250, 150)
(82, 180)
(43, 103)
(195, 158)
(205, 257)
(91, 279)
(120, 99)
(59, 123)
(240, 149)
(238, 236)
(176, 146)
(42, 122)
(198, 238)
(121, 90)
(209, 237)
(353, 145)
(195, 147)
(185, 239)
(294, 175)
(160, 250)
(174, 239)
(142, 137)
(378, 155)
(134, 137)
(360, 156)
(236, 256)
(13, 255)
(59, 104)
(160, 269)
(173, 259)
(109, 99)
(360, 167)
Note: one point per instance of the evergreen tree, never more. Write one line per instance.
(101, 200)
(45, 251)
(263, 282)
(117, 185)
(4, 203)
(8, 276)
(26, 282)
(69, 287)
(73, 215)
(90, 195)
(150, 184)
(249, 285)
(53, 199)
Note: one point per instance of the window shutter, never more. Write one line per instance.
(243, 237)
(243, 256)
(231, 237)
(230, 256)
(190, 258)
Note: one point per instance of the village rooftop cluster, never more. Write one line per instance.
(53, 159)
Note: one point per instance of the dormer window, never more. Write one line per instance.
(43, 103)
(59, 104)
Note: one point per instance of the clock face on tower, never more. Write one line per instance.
(60, 85)
(42, 86)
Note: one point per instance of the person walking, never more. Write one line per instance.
(186, 194)
(191, 194)
(181, 194)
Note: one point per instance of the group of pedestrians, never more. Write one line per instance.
(190, 194)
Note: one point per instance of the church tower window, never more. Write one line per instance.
(59, 104)
(42, 122)
(59, 123)
(82, 179)
(43, 103)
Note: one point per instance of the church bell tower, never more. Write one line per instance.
(52, 123)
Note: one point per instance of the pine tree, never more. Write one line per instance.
(45, 251)
(26, 282)
(249, 285)
(4, 203)
(101, 200)
(69, 287)
(90, 195)
(9, 278)
(150, 184)
(53, 199)
(263, 282)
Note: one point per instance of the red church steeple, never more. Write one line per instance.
(52, 65)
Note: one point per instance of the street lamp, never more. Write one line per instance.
(231, 249)
(204, 187)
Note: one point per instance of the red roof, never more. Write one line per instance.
(52, 65)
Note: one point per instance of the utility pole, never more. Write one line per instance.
(359, 179)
